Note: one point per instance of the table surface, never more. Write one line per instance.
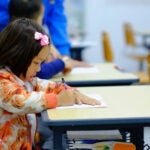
(107, 75)
(127, 109)
(129, 103)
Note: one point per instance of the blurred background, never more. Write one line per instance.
(87, 19)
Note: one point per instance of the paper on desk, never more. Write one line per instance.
(96, 96)
(84, 70)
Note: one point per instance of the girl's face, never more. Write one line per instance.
(36, 62)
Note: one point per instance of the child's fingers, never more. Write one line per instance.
(91, 101)
(83, 99)
(78, 101)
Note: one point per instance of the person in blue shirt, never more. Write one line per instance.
(56, 21)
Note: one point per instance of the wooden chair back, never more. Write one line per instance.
(131, 49)
(148, 66)
(129, 35)
(107, 49)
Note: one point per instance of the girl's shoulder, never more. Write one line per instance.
(6, 74)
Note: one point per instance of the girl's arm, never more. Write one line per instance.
(17, 97)
(65, 94)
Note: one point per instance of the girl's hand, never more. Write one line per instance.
(72, 96)
(66, 98)
(83, 99)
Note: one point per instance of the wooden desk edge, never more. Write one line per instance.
(143, 121)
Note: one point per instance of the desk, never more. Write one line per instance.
(127, 109)
(76, 53)
(145, 35)
(108, 75)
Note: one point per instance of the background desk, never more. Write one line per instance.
(145, 35)
(127, 109)
(77, 48)
(108, 75)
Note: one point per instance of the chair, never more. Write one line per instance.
(134, 50)
(107, 50)
(145, 77)
(129, 35)
(108, 56)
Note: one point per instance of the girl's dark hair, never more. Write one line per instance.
(24, 8)
(18, 46)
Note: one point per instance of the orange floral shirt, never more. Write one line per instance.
(19, 102)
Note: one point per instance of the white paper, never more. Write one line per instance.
(84, 70)
(96, 96)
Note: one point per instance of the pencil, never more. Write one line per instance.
(63, 81)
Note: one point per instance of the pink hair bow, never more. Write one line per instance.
(43, 38)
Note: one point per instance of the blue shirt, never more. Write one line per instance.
(4, 16)
(56, 22)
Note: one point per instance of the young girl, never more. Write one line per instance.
(34, 9)
(23, 47)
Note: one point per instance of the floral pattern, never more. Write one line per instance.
(18, 100)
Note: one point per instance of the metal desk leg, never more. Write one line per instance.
(137, 137)
(57, 139)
